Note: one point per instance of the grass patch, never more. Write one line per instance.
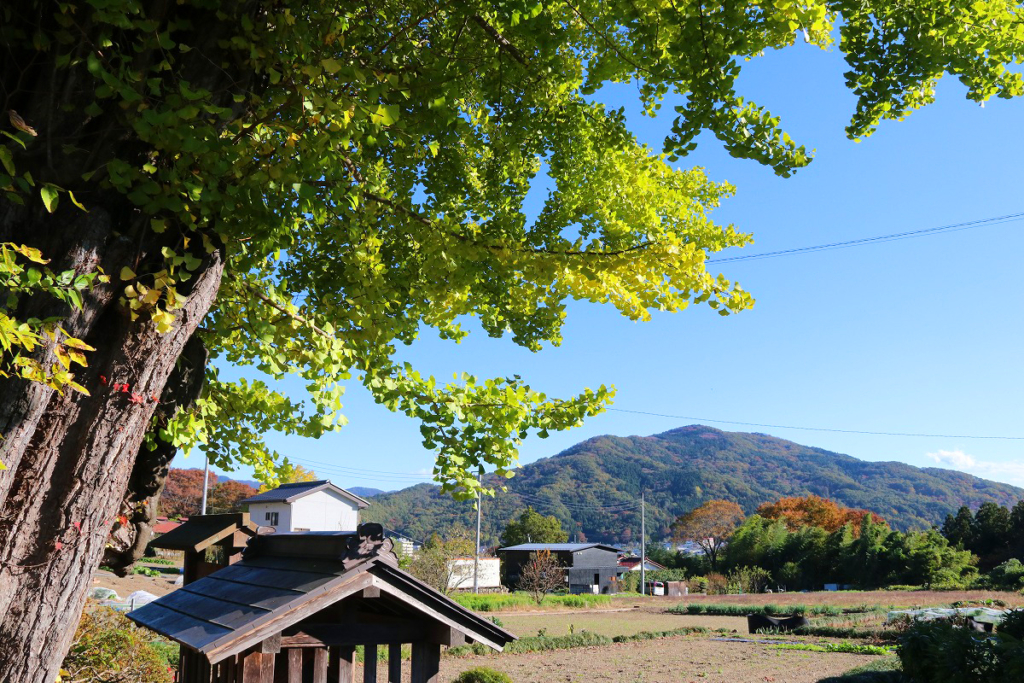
(534, 644)
(730, 610)
(655, 635)
(496, 602)
(847, 632)
(886, 670)
(852, 648)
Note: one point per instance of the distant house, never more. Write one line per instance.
(163, 525)
(632, 564)
(307, 506)
(589, 567)
(460, 575)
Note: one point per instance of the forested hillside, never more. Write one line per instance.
(594, 487)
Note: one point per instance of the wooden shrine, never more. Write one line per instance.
(296, 605)
(209, 542)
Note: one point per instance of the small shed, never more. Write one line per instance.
(209, 542)
(296, 605)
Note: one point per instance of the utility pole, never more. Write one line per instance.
(206, 483)
(643, 545)
(476, 558)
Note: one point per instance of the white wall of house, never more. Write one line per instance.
(260, 513)
(320, 511)
(324, 511)
(462, 573)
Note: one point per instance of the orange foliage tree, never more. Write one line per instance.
(709, 526)
(816, 511)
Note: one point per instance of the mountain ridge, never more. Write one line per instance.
(594, 486)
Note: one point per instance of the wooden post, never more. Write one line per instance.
(394, 663)
(342, 668)
(426, 662)
(320, 665)
(295, 665)
(252, 668)
(370, 663)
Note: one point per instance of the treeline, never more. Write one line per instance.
(804, 543)
(994, 533)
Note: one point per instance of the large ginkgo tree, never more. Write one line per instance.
(303, 186)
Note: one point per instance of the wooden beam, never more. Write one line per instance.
(320, 665)
(342, 667)
(394, 663)
(445, 635)
(271, 645)
(426, 662)
(252, 668)
(294, 666)
(371, 592)
(353, 633)
(370, 663)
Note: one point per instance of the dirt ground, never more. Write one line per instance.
(687, 659)
(157, 585)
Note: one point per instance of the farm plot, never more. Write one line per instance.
(696, 659)
(613, 624)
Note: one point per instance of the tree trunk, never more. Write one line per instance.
(70, 457)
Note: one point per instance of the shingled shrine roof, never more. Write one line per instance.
(203, 531)
(285, 578)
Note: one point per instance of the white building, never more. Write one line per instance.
(461, 573)
(307, 506)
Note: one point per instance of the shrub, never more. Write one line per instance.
(1013, 624)
(145, 571)
(947, 651)
(482, 674)
(717, 584)
(1008, 576)
(110, 648)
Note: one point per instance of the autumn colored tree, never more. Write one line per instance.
(289, 473)
(710, 526)
(540, 575)
(301, 186)
(815, 511)
(183, 492)
(225, 496)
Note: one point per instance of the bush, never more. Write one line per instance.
(110, 648)
(1013, 624)
(717, 584)
(948, 651)
(1008, 576)
(482, 674)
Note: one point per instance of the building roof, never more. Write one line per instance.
(287, 493)
(200, 532)
(285, 579)
(560, 547)
(634, 561)
(163, 526)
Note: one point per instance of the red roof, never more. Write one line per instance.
(165, 526)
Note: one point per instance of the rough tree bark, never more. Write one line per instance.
(133, 530)
(70, 457)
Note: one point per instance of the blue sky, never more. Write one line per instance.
(920, 335)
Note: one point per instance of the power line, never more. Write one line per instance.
(821, 429)
(956, 227)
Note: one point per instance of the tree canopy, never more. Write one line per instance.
(709, 526)
(364, 171)
(533, 527)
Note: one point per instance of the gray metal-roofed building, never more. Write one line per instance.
(589, 567)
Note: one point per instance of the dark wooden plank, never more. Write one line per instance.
(294, 666)
(394, 663)
(370, 663)
(320, 665)
(426, 662)
(230, 615)
(178, 626)
(244, 594)
(352, 633)
(267, 667)
(342, 666)
(252, 667)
